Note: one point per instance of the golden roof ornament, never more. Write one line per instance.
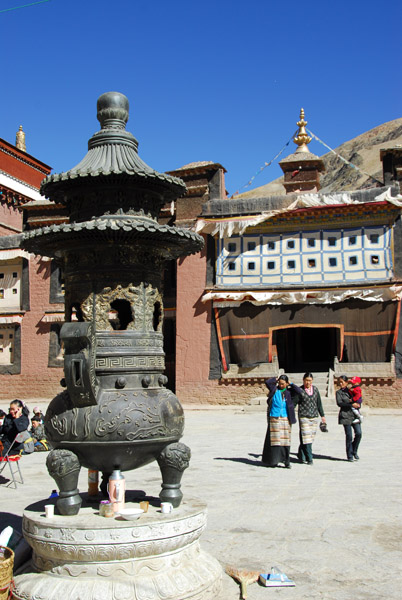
(302, 139)
(20, 140)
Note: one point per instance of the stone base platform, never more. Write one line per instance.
(88, 557)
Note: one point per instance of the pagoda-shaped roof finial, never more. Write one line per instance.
(302, 168)
(302, 139)
(20, 140)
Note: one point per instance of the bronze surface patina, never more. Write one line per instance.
(116, 412)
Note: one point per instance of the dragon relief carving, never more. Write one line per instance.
(137, 420)
(59, 424)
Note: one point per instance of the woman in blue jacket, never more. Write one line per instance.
(281, 417)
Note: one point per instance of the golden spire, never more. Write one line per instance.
(20, 140)
(302, 139)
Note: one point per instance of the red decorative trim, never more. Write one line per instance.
(218, 330)
(398, 318)
(368, 333)
(245, 337)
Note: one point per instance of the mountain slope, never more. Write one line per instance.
(363, 151)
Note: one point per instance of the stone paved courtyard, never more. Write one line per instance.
(335, 528)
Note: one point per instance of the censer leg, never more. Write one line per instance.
(64, 467)
(173, 460)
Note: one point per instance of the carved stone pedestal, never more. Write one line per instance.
(88, 557)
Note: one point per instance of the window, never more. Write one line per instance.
(11, 286)
(56, 352)
(271, 265)
(311, 242)
(250, 246)
(1, 275)
(291, 264)
(291, 243)
(232, 247)
(10, 350)
(251, 266)
(311, 263)
(6, 346)
(332, 262)
(353, 260)
(374, 238)
(352, 240)
(56, 295)
(332, 241)
(375, 259)
(271, 245)
(232, 266)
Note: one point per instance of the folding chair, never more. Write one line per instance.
(13, 462)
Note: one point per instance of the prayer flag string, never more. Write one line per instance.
(347, 162)
(23, 6)
(261, 169)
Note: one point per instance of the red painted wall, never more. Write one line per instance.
(10, 216)
(193, 320)
(36, 379)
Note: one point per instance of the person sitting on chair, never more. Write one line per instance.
(14, 423)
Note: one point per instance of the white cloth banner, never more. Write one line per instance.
(10, 319)
(14, 253)
(227, 298)
(53, 318)
(227, 226)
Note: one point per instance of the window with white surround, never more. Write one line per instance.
(7, 336)
(333, 255)
(10, 286)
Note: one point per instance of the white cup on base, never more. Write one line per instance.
(49, 511)
(166, 507)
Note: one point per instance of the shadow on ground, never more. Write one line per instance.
(8, 519)
(259, 463)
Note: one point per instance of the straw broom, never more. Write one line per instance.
(244, 577)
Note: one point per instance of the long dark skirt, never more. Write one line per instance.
(273, 455)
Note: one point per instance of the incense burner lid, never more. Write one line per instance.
(112, 151)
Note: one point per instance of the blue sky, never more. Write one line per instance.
(214, 80)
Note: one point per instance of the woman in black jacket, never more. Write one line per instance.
(281, 417)
(346, 418)
(310, 406)
(14, 423)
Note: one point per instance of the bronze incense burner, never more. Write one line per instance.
(116, 412)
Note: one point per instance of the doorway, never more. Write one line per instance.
(302, 349)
